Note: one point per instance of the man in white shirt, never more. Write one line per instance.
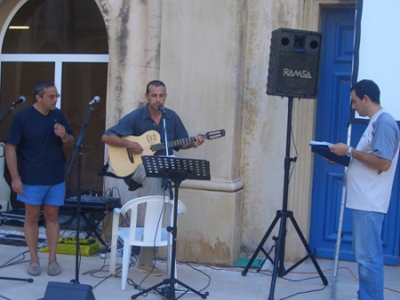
(369, 184)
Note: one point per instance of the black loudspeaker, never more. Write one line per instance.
(68, 291)
(294, 63)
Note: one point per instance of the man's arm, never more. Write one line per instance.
(115, 140)
(68, 140)
(368, 159)
(371, 160)
(12, 165)
(59, 130)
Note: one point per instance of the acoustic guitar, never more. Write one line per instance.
(124, 162)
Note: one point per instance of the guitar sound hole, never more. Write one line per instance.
(130, 155)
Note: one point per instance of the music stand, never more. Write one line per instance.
(177, 170)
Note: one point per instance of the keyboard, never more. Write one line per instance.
(91, 203)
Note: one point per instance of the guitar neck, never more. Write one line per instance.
(174, 143)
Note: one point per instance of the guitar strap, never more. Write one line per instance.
(132, 184)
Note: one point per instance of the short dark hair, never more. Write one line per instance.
(155, 83)
(369, 88)
(40, 86)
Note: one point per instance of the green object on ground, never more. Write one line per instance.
(242, 263)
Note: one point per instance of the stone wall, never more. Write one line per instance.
(213, 56)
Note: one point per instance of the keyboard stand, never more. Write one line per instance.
(93, 227)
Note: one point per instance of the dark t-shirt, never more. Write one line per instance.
(139, 121)
(39, 151)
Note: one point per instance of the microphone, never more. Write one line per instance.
(162, 108)
(95, 100)
(21, 99)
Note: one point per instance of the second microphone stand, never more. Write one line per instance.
(167, 185)
(78, 152)
(8, 110)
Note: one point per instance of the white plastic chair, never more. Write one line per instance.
(152, 234)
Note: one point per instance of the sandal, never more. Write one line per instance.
(34, 269)
(53, 269)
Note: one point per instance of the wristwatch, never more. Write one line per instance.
(348, 153)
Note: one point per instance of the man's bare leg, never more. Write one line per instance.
(52, 229)
(31, 230)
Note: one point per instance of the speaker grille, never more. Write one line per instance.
(294, 63)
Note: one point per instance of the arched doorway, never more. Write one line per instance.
(64, 41)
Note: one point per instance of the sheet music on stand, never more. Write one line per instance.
(175, 168)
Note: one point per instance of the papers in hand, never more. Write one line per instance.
(322, 148)
(316, 143)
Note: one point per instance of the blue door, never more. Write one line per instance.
(333, 115)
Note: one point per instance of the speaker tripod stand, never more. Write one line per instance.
(283, 215)
(177, 170)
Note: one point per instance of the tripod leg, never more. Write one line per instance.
(169, 290)
(310, 254)
(150, 289)
(261, 245)
(202, 295)
(279, 254)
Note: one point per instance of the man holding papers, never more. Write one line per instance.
(370, 177)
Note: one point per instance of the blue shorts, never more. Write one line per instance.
(43, 194)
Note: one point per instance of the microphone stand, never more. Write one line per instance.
(78, 150)
(171, 198)
(165, 131)
(169, 183)
(8, 110)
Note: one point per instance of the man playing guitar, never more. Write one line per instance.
(137, 123)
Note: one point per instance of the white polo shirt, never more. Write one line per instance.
(370, 189)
